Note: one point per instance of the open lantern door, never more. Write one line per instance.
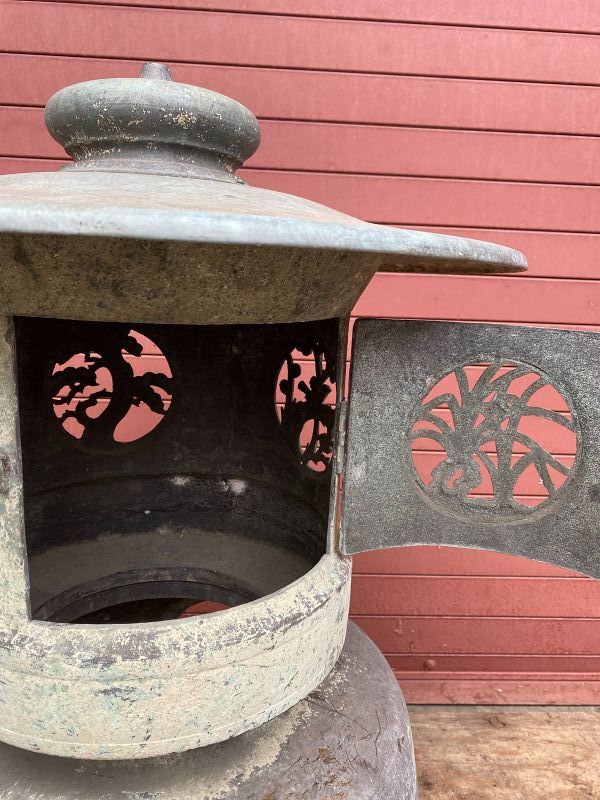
(452, 439)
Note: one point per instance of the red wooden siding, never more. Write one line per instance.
(479, 119)
(555, 15)
(299, 42)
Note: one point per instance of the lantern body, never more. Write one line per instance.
(147, 275)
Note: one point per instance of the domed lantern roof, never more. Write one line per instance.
(184, 239)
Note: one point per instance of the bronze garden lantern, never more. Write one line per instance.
(147, 275)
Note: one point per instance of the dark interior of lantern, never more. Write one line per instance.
(169, 468)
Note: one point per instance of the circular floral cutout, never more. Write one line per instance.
(305, 403)
(115, 393)
(497, 440)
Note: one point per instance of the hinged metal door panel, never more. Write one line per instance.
(484, 436)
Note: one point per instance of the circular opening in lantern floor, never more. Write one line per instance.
(119, 691)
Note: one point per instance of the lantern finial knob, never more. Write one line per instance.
(156, 71)
(152, 125)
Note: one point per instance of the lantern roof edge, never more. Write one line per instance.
(167, 208)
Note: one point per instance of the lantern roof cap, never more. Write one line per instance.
(156, 160)
(152, 125)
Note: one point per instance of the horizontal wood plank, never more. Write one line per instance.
(413, 151)
(27, 79)
(506, 665)
(298, 42)
(491, 299)
(483, 635)
(449, 561)
(500, 675)
(8, 166)
(554, 15)
(432, 201)
(526, 690)
(475, 597)
(373, 149)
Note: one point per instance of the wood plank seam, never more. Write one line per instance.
(568, 71)
(342, 11)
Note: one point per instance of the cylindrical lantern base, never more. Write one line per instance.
(349, 739)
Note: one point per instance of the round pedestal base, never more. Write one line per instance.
(348, 740)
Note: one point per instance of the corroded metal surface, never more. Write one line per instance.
(182, 238)
(131, 691)
(14, 608)
(348, 740)
(477, 393)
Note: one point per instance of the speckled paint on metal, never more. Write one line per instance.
(120, 279)
(126, 691)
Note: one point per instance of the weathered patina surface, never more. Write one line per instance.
(14, 609)
(152, 126)
(348, 740)
(129, 280)
(125, 691)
